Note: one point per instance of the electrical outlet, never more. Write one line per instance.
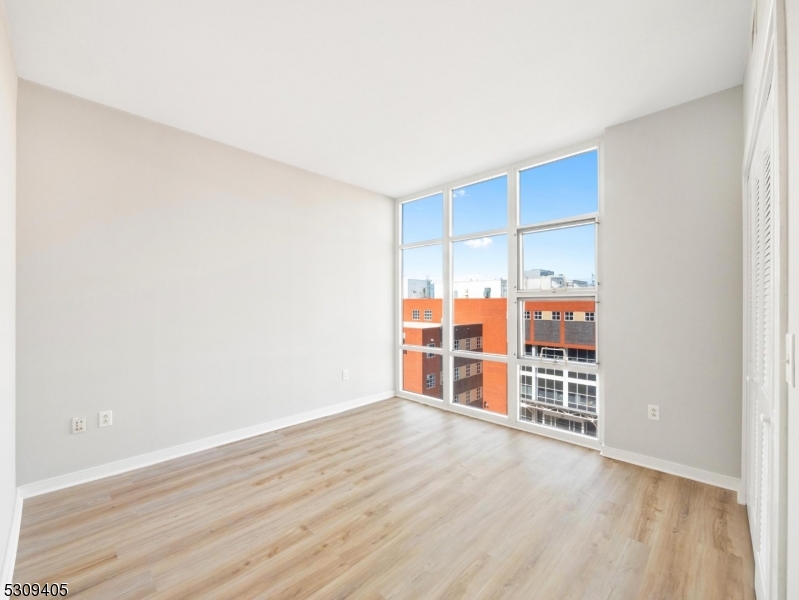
(654, 412)
(78, 424)
(106, 419)
(345, 375)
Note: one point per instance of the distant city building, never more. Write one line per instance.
(538, 273)
(419, 288)
(543, 279)
(490, 288)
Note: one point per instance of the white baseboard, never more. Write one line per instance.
(145, 460)
(10, 557)
(665, 466)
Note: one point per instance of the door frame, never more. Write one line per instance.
(765, 78)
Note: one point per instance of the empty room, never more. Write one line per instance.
(399, 300)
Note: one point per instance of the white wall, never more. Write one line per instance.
(8, 137)
(672, 284)
(188, 286)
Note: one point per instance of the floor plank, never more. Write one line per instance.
(391, 501)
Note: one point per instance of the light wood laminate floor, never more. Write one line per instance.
(393, 500)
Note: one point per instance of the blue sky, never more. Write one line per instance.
(564, 188)
(559, 189)
(555, 190)
(426, 262)
(480, 206)
(480, 259)
(423, 219)
(568, 251)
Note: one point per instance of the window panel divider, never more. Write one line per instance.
(485, 356)
(447, 328)
(586, 219)
(399, 301)
(600, 388)
(423, 244)
(428, 349)
(556, 155)
(422, 196)
(478, 235)
(513, 287)
(578, 367)
(587, 292)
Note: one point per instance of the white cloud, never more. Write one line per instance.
(459, 193)
(480, 243)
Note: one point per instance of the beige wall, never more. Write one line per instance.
(192, 288)
(672, 284)
(8, 139)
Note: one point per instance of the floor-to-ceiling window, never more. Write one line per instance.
(499, 281)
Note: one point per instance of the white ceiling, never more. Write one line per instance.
(394, 96)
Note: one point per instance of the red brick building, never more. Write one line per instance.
(560, 329)
(551, 329)
(480, 326)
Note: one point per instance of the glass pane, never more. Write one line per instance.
(421, 295)
(480, 206)
(423, 219)
(560, 189)
(421, 272)
(559, 398)
(559, 330)
(422, 373)
(480, 294)
(559, 258)
(480, 384)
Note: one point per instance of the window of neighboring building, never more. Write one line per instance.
(537, 315)
(550, 390)
(527, 315)
(479, 367)
(457, 373)
(526, 384)
(582, 396)
(479, 393)
(583, 376)
(583, 356)
(468, 371)
(428, 315)
(479, 342)
(556, 315)
(431, 354)
(568, 316)
(457, 344)
(589, 316)
(415, 315)
(431, 381)
(468, 343)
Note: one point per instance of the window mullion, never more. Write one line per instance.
(513, 288)
(446, 301)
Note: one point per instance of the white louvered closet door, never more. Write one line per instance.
(761, 357)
